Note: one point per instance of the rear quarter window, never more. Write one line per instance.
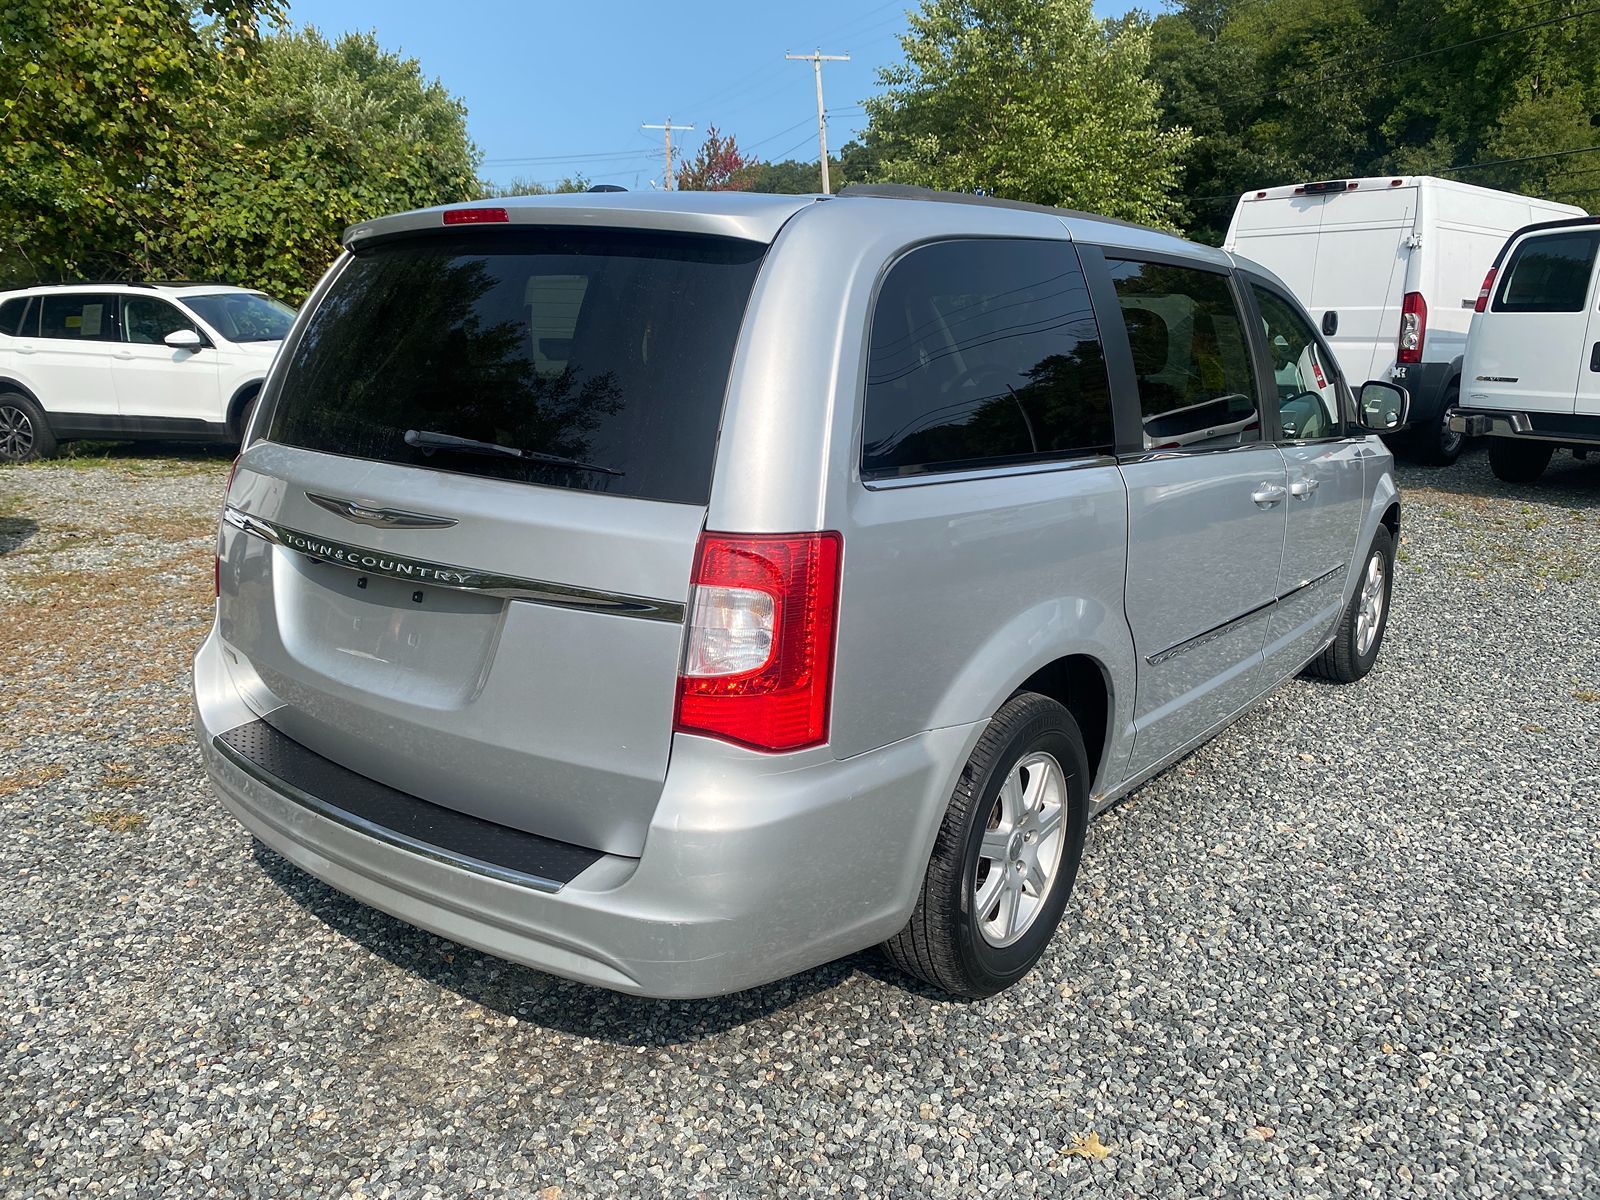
(1548, 274)
(612, 347)
(983, 353)
(11, 315)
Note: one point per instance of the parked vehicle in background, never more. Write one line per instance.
(676, 591)
(179, 362)
(1532, 368)
(1389, 266)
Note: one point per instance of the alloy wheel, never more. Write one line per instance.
(1020, 851)
(16, 433)
(1370, 614)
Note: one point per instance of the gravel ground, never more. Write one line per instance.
(1348, 948)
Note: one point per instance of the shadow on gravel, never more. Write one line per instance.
(88, 454)
(573, 1008)
(1567, 481)
(14, 531)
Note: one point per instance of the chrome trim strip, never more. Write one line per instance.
(887, 483)
(383, 518)
(1227, 627)
(380, 832)
(463, 579)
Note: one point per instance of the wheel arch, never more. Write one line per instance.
(242, 396)
(10, 384)
(1080, 683)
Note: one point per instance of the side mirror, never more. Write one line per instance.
(1385, 407)
(183, 339)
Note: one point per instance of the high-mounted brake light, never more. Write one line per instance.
(1485, 290)
(476, 216)
(758, 666)
(1413, 327)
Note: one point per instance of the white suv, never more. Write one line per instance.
(131, 360)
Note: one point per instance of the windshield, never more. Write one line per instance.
(244, 316)
(611, 347)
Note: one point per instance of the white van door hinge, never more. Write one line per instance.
(1414, 242)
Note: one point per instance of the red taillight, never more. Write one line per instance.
(1485, 290)
(758, 666)
(476, 216)
(1413, 327)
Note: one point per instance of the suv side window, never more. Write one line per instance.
(79, 318)
(1548, 274)
(147, 320)
(12, 316)
(984, 353)
(1307, 381)
(1196, 383)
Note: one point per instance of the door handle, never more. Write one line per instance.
(1594, 358)
(1302, 488)
(1269, 494)
(123, 354)
(25, 350)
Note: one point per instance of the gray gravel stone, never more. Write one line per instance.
(1347, 949)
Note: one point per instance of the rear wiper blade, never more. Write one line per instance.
(428, 441)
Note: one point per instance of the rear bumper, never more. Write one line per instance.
(754, 867)
(1564, 429)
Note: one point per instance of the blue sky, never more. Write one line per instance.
(555, 89)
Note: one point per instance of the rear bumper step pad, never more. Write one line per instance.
(393, 816)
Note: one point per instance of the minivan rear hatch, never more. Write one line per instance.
(458, 561)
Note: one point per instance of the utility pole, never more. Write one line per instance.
(667, 183)
(816, 59)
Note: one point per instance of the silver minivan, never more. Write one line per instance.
(677, 591)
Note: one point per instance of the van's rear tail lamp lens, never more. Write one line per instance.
(758, 665)
(1413, 327)
(1485, 291)
(476, 216)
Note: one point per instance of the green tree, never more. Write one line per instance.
(1028, 99)
(532, 187)
(718, 166)
(326, 134)
(106, 108)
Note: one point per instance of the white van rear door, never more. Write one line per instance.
(1361, 275)
(1530, 349)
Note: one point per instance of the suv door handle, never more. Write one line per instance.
(26, 350)
(1303, 487)
(1269, 494)
(123, 354)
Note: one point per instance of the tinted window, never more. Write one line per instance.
(1196, 384)
(983, 353)
(244, 316)
(1307, 381)
(1548, 274)
(11, 315)
(79, 318)
(609, 347)
(147, 320)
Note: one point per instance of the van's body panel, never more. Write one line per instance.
(510, 650)
(1357, 252)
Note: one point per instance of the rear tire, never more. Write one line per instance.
(1006, 854)
(1355, 646)
(24, 432)
(1517, 461)
(1436, 444)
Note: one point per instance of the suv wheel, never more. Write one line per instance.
(1519, 462)
(24, 433)
(1437, 444)
(1006, 854)
(1355, 647)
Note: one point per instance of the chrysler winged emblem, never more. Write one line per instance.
(384, 518)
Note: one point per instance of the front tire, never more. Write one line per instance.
(1517, 461)
(1437, 444)
(24, 433)
(1355, 647)
(1006, 854)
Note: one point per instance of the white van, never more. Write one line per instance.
(1532, 371)
(1390, 267)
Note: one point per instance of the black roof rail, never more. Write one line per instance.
(138, 283)
(907, 191)
(1540, 227)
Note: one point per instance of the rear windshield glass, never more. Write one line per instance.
(1548, 274)
(608, 347)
